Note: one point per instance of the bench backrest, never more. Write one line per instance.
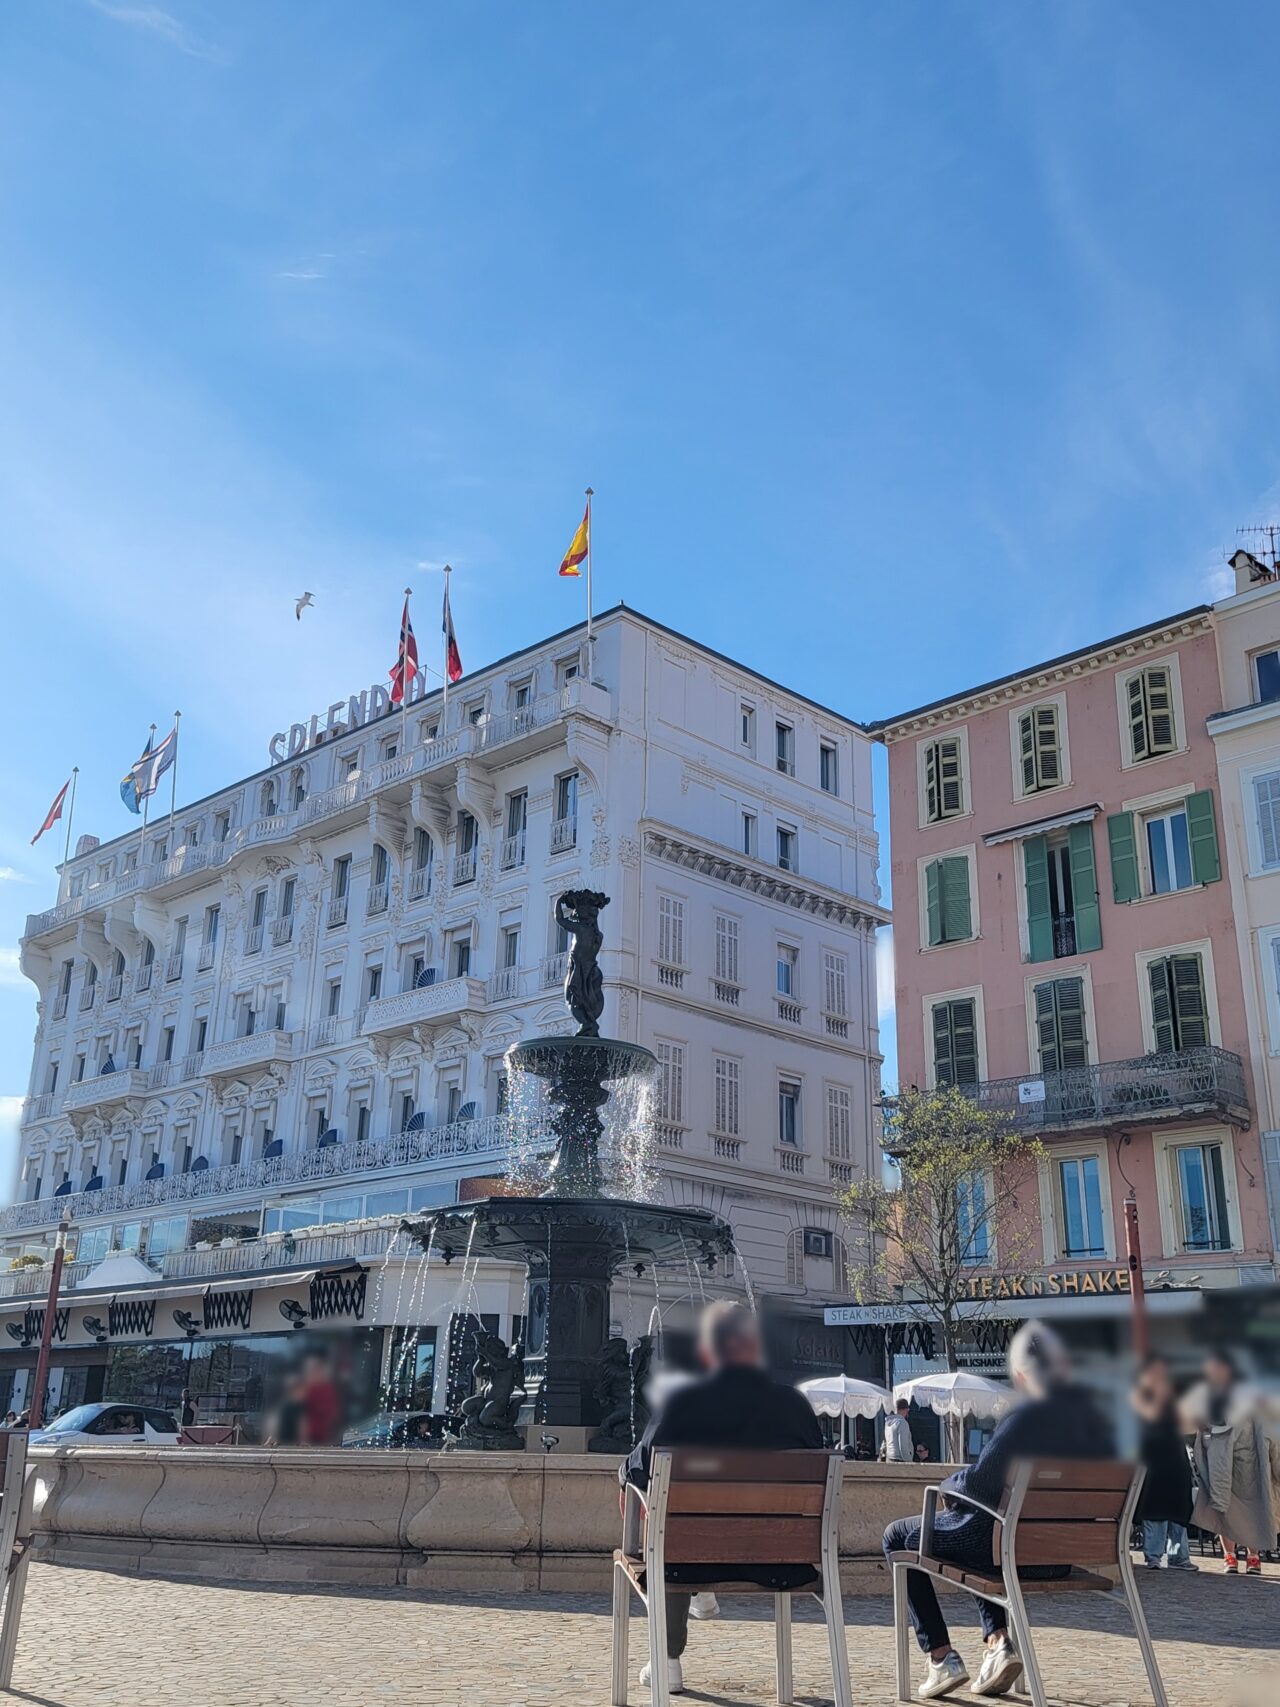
(744, 1508)
(1068, 1511)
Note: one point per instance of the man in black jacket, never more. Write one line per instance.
(736, 1404)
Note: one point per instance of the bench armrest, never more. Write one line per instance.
(635, 1509)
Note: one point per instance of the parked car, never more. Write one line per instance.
(110, 1423)
(397, 1429)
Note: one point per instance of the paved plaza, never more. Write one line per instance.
(90, 1639)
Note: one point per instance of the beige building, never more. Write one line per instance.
(1246, 738)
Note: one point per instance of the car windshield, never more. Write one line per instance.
(74, 1420)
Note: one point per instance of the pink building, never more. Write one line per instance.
(1065, 940)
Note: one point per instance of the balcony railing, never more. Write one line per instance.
(173, 966)
(204, 960)
(253, 939)
(60, 1004)
(454, 744)
(420, 883)
(378, 897)
(512, 852)
(336, 912)
(256, 1050)
(433, 1002)
(553, 968)
(464, 866)
(1123, 1093)
(115, 986)
(145, 972)
(282, 930)
(488, 1136)
(564, 834)
(251, 1256)
(504, 984)
(87, 993)
(177, 1072)
(105, 1089)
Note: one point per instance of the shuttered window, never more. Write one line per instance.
(947, 900)
(727, 1085)
(1149, 698)
(1266, 797)
(835, 984)
(1271, 1162)
(943, 782)
(670, 930)
(1060, 1030)
(955, 1042)
(1179, 1009)
(973, 1226)
(726, 949)
(795, 1258)
(839, 1123)
(1040, 748)
(670, 1083)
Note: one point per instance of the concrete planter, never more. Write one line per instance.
(493, 1521)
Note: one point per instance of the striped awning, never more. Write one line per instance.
(1042, 826)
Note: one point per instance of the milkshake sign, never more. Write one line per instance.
(340, 719)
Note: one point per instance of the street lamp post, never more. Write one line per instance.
(1137, 1287)
(36, 1413)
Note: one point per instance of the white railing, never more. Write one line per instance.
(333, 1028)
(145, 973)
(26, 1282)
(564, 834)
(87, 993)
(282, 930)
(671, 976)
(432, 1001)
(791, 1161)
(729, 994)
(378, 896)
(836, 1025)
(670, 1137)
(336, 911)
(176, 1072)
(276, 826)
(511, 854)
(504, 984)
(204, 960)
(105, 1088)
(115, 986)
(173, 966)
(464, 867)
(60, 1004)
(727, 1149)
(441, 1144)
(39, 1108)
(255, 1050)
(420, 883)
(281, 1250)
(553, 968)
(790, 1012)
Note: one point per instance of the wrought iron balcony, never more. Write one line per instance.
(404, 1151)
(1138, 1092)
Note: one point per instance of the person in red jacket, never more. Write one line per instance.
(321, 1404)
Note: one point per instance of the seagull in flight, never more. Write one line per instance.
(302, 604)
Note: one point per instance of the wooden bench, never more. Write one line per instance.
(734, 1511)
(1072, 1512)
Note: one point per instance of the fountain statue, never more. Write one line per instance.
(489, 1414)
(581, 1229)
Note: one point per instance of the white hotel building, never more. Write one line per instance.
(291, 1013)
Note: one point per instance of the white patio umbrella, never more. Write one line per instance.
(843, 1396)
(957, 1393)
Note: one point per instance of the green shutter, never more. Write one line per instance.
(1202, 831)
(1124, 857)
(1048, 752)
(1035, 858)
(1158, 688)
(1137, 716)
(933, 900)
(1189, 1005)
(1060, 1028)
(955, 1043)
(1046, 1028)
(1084, 889)
(1027, 752)
(1162, 1019)
(932, 798)
(957, 917)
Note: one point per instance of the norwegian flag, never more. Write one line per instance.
(452, 657)
(405, 667)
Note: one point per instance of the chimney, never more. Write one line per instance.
(1250, 572)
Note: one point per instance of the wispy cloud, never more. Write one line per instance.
(9, 874)
(154, 21)
(314, 267)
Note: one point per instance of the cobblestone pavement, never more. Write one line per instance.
(89, 1639)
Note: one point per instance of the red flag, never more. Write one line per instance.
(405, 667)
(54, 812)
(452, 657)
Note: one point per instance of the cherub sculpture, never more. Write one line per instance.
(489, 1414)
(578, 911)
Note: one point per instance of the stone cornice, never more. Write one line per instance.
(678, 848)
(1043, 678)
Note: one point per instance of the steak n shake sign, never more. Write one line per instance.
(1066, 1283)
(340, 719)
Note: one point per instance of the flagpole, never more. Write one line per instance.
(404, 676)
(146, 802)
(71, 809)
(444, 702)
(591, 637)
(173, 791)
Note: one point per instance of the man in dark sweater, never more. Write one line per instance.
(1057, 1419)
(736, 1404)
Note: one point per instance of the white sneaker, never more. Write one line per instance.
(704, 1606)
(1001, 1669)
(675, 1677)
(944, 1676)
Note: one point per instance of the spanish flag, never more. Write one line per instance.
(580, 546)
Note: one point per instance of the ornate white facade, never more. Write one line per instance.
(294, 1009)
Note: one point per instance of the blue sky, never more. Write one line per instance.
(902, 344)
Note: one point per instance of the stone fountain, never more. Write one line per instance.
(581, 1230)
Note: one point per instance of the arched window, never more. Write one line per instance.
(268, 803)
(841, 1273)
(297, 787)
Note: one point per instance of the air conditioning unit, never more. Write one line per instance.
(816, 1242)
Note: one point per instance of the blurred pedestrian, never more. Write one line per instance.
(10, 1418)
(898, 1448)
(321, 1404)
(1237, 1462)
(190, 1411)
(922, 1453)
(285, 1427)
(1167, 1493)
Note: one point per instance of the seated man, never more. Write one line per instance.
(1058, 1420)
(737, 1404)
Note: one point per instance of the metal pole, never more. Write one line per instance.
(444, 701)
(36, 1414)
(591, 636)
(173, 787)
(146, 806)
(1137, 1287)
(71, 808)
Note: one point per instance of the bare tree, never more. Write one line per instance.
(953, 1202)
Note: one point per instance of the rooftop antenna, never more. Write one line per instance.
(1270, 532)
